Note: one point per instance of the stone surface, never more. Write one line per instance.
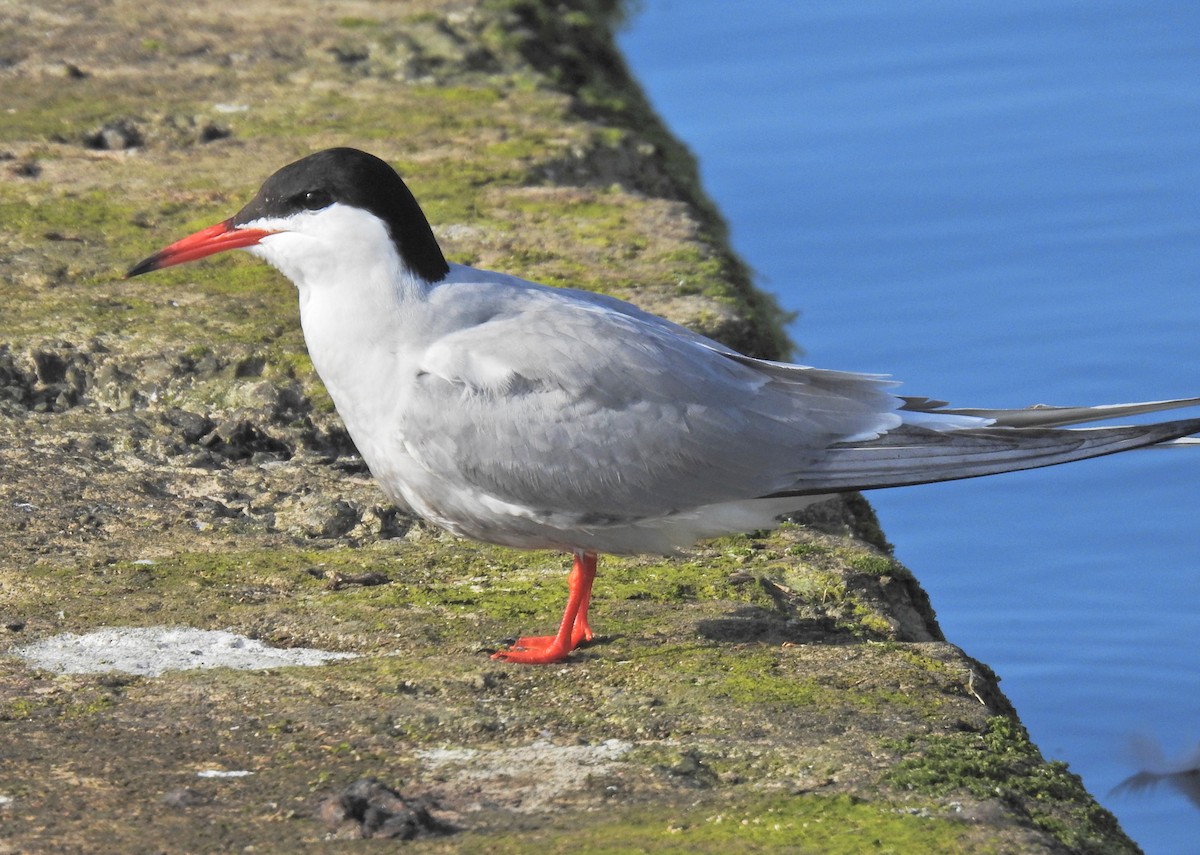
(168, 458)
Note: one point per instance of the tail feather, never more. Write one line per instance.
(1043, 415)
(916, 455)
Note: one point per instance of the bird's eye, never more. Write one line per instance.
(314, 200)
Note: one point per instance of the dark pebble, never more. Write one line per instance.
(367, 808)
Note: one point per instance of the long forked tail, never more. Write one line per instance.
(919, 455)
(1042, 415)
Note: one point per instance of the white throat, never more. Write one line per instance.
(357, 299)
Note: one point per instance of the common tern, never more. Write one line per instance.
(537, 417)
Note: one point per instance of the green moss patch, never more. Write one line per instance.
(1000, 762)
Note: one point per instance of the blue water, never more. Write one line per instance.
(999, 204)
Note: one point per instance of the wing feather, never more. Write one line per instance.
(916, 455)
(625, 419)
(1042, 415)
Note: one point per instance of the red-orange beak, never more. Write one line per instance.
(205, 242)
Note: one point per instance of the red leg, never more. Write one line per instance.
(584, 566)
(574, 629)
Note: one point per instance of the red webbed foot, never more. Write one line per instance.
(572, 631)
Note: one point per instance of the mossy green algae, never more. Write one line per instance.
(831, 825)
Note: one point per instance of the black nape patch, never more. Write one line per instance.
(361, 180)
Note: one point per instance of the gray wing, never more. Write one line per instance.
(580, 406)
(572, 402)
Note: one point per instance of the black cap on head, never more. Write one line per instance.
(362, 180)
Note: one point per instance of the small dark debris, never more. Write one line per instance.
(238, 439)
(188, 130)
(13, 624)
(367, 809)
(337, 581)
(116, 135)
(350, 54)
(25, 169)
(211, 133)
(74, 72)
(192, 426)
(251, 366)
(408, 687)
(50, 365)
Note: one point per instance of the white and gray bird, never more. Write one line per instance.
(539, 417)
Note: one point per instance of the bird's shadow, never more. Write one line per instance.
(758, 624)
